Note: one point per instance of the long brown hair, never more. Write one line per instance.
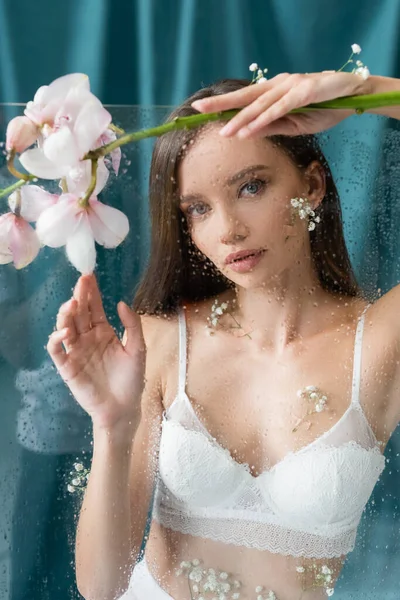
(177, 271)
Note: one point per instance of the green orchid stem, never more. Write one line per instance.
(11, 188)
(357, 103)
(85, 200)
(14, 171)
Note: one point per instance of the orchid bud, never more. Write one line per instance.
(21, 133)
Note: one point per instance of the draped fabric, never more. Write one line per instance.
(149, 55)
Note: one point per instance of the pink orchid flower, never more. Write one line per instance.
(21, 133)
(19, 242)
(76, 227)
(72, 119)
(116, 154)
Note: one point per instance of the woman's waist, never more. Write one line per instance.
(180, 560)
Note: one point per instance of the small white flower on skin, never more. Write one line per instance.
(259, 589)
(236, 584)
(319, 408)
(311, 388)
(294, 202)
(302, 213)
(223, 576)
(235, 596)
(300, 569)
(253, 67)
(262, 79)
(195, 562)
(355, 48)
(329, 591)
(325, 570)
(363, 72)
(259, 597)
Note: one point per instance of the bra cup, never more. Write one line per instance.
(324, 487)
(195, 471)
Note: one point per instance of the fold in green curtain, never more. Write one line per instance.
(152, 53)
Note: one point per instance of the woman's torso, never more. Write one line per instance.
(246, 399)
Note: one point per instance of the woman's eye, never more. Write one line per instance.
(196, 210)
(252, 188)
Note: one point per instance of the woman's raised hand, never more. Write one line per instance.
(266, 105)
(105, 376)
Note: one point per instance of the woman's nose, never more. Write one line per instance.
(232, 230)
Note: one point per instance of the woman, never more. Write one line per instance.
(262, 422)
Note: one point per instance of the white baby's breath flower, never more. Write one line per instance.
(300, 569)
(253, 67)
(355, 48)
(262, 79)
(76, 481)
(235, 596)
(363, 72)
(71, 489)
(329, 591)
(78, 467)
(325, 570)
(259, 589)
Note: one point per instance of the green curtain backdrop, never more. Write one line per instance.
(151, 54)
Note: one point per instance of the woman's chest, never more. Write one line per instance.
(258, 405)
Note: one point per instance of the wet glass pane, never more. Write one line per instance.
(45, 433)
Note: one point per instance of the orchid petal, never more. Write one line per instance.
(48, 98)
(109, 225)
(6, 222)
(23, 243)
(91, 122)
(80, 247)
(36, 163)
(61, 148)
(116, 159)
(34, 200)
(78, 178)
(57, 223)
(21, 133)
(61, 86)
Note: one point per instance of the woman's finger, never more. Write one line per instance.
(238, 98)
(255, 109)
(66, 318)
(81, 295)
(277, 107)
(56, 349)
(96, 309)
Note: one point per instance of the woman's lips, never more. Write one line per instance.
(247, 263)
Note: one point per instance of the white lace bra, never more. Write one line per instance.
(308, 504)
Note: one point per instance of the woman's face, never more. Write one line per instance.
(235, 195)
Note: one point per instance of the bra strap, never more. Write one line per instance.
(355, 395)
(182, 351)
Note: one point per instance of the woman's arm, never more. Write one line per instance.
(117, 499)
(380, 85)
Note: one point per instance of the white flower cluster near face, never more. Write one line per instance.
(211, 584)
(305, 211)
(65, 121)
(81, 477)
